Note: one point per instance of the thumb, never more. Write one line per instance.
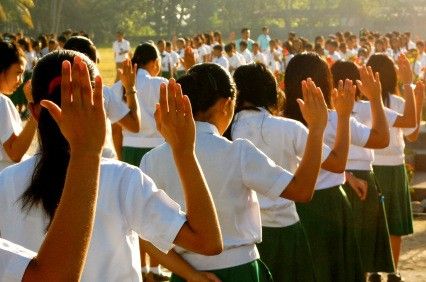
(301, 104)
(157, 116)
(53, 109)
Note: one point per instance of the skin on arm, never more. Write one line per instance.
(176, 124)
(17, 145)
(131, 121)
(419, 94)
(343, 100)
(405, 74)
(359, 185)
(314, 110)
(63, 253)
(371, 88)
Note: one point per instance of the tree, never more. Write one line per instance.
(11, 10)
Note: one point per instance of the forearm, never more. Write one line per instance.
(199, 204)
(22, 142)
(302, 186)
(379, 135)
(132, 120)
(336, 161)
(409, 117)
(419, 114)
(64, 251)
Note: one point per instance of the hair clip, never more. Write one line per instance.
(54, 83)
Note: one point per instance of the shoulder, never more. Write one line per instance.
(17, 176)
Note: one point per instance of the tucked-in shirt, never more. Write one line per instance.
(14, 260)
(129, 204)
(148, 91)
(166, 62)
(234, 171)
(121, 47)
(10, 124)
(394, 153)
(284, 141)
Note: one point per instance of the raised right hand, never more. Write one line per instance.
(369, 85)
(313, 106)
(404, 71)
(419, 92)
(343, 97)
(128, 74)
(81, 116)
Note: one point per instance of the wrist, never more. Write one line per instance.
(85, 155)
(130, 90)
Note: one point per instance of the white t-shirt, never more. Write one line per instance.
(284, 141)
(181, 55)
(148, 91)
(202, 51)
(10, 124)
(221, 61)
(121, 50)
(248, 56)
(270, 59)
(234, 63)
(14, 260)
(360, 158)
(359, 137)
(234, 171)
(166, 62)
(259, 58)
(129, 204)
(394, 153)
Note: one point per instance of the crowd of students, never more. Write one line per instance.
(247, 161)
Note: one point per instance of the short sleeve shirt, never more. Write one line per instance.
(14, 260)
(10, 123)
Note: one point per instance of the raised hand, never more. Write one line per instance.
(313, 106)
(419, 93)
(189, 58)
(369, 85)
(343, 97)
(128, 74)
(404, 71)
(174, 117)
(81, 116)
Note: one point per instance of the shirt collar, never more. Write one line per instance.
(206, 127)
(143, 72)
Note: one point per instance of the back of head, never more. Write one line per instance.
(345, 70)
(83, 45)
(145, 53)
(256, 86)
(205, 84)
(302, 67)
(10, 54)
(382, 64)
(49, 175)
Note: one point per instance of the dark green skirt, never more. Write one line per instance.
(254, 271)
(287, 254)
(329, 225)
(393, 183)
(133, 155)
(371, 226)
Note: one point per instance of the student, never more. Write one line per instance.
(128, 200)
(14, 139)
(328, 219)
(258, 56)
(126, 114)
(248, 56)
(370, 220)
(218, 57)
(389, 164)
(121, 48)
(234, 171)
(166, 62)
(174, 58)
(284, 247)
(72, 225)
(181, 46)
(233, 59)
(245, 36)
(263, 39)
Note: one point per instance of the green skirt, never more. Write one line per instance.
(133, 156)
(371, 226)
(287, 254)
(254, 271)
(329, 225)
(393, 183)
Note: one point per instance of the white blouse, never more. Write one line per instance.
(14, 260)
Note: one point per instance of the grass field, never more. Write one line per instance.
(107, 65)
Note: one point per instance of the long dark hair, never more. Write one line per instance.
(301, 67)
(382, 64)
(145, 53)
(49, 174)
(10, 54)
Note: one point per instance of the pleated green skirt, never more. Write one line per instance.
(329, 225)
(287, 254)
(254, 271)
(393, 183)
(133, 155)
(371, 226)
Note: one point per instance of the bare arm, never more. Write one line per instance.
(63, 253)
(314, 110)
(175, 122)
(17, 145)
(132, 121)
(419, 93)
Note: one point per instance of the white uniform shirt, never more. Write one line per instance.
(148, 91)
(259, 58)
(234, 63)
(234, 171)
(284, 141)
(181, 55)
(128, 204)
(221, 61)
(120, 47)
(248, 56)
(202, 51)
(360, 158)
(10, 124)
(166, 62)
(14, 260)
(359, 136)
(394, 153)
(271, 63)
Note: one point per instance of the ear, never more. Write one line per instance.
(227, 105)
(35, 110)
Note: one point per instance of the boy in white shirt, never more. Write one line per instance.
(166, 61)
(332, 46)
(248, 56)
(174, 58)
(258, 56)
(234, 60)
(272, 56)
(218, 57)
(121, 49)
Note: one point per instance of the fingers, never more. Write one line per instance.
(75, 81)
(66, 84)
(171, 97)
(304, 90)
(340, 86)
(157, 116)
(179, 99)
(98, 97)
(187, 107)
(163, 98)
(53, 109)
(86, 87)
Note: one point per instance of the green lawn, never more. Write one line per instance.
(107, 65)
